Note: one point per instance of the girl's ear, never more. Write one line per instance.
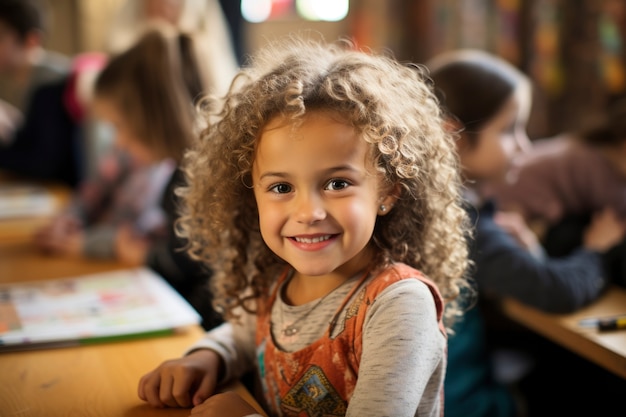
(463, 144)
(387, 202)
(456, 127)
(452, 124)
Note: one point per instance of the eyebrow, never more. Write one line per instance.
(328, 171)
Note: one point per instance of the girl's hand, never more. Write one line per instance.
(67, 244)
(129, 248)
(61, 230)
(225, 404)
(183, 382)
(605, 231)
(514, 224)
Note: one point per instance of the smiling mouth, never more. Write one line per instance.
(316, 239)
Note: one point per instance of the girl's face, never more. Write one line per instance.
(317, 195)
(489, 156)
(125, 138)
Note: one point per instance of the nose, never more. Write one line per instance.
(309, 208)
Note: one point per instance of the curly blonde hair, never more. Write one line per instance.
(393, 108)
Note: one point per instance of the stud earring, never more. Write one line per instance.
(383, 208)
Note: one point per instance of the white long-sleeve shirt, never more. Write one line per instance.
(402, 367)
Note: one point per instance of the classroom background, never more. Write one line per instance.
(573, 50)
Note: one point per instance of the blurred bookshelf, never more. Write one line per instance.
(573, 50)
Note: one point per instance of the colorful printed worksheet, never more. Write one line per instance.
(84, 309)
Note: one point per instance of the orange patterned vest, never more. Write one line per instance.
(319, 379)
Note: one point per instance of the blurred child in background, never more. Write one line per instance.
(147, 98)
(141, 97)
(53, 141)
(562, 181)
(24, 62)
(202, 20)
(39, 138)
(488, 102)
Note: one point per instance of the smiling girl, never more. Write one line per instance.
(327, 201)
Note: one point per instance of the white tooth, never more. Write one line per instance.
(312, 240)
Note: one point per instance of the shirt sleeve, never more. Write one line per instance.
(403, 362)
(556, 285)
(234, 342)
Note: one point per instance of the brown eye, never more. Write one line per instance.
(281, 188)
(335, 185)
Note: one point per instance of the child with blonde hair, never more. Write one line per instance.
(144, 95)
(326, 198)
(202, 20)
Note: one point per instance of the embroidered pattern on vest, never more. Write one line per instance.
(315, 395)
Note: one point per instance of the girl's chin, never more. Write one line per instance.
(311, 270)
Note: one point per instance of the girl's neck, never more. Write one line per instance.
(301, 289)
(304, 288)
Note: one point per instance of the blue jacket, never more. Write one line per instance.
(503, 269)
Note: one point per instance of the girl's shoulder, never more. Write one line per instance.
(395, 272)
(400, 272)
(399, 288)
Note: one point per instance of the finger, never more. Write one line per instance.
(205, 406)
(141, 388)
(180, 392)
(204, 391)
(165, 391)
(198, 409)
(151, 384)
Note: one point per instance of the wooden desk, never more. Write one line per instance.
(97, 380)
(607, 349)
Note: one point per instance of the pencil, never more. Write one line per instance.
(612, 323)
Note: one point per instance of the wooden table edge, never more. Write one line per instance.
(551, 326)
